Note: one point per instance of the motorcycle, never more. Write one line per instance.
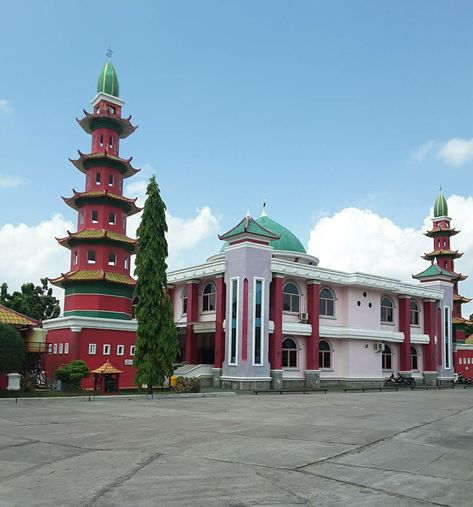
(460, 379)
(401, 381)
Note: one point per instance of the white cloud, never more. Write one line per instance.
(354, 239)
(29, 253)
(7, 181)
(456, 151)
(6, 106)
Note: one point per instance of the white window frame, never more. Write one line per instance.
(132, 350)
(92, 349)
(50, 348)
(90, 261)
(66, 348)
(263, 308)
(114, 262)
(55, 348)
(237, 321)
(120, 350)
(106, 349)
(61, 348)
(112, 218)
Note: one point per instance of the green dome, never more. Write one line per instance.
(440, 206)
(108, 80)
(288, 241)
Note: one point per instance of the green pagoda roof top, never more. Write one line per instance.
(440, 206)
(108, 81)
(249, 226)
(285, 239)
(434, 270)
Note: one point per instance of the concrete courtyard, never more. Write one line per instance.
(377, 449)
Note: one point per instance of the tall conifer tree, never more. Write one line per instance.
(156, 341)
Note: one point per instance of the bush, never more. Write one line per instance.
(27, 382)
(72, 373)
(187, 385)
(12, 349)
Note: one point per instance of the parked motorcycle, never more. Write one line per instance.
(460, 379)
(401, 381)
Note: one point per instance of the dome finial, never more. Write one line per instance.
(109, 52)
(440, 206)
(108, 80)
(263, 211)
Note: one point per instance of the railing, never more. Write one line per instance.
(37, 347)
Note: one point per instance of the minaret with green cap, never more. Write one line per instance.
(442, 259)
(99, 282)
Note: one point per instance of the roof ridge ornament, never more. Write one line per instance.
(263, 211)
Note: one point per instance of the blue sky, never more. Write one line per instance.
(315, 106)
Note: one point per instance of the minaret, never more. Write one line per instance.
(98, 283)
(443, 258)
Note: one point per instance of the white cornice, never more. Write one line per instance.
(353, 279)
(421, 339)
(109, 98)
(204, 327)
(200, 271)
(90, 322)
(360, 334)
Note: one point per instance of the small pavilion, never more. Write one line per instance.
(107, 378)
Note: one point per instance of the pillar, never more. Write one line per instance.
(312, 350)
(220, 308)
(275, 339)
(405, 327)
(430, 350)
(192, 316)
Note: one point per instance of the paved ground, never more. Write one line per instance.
(384, 449)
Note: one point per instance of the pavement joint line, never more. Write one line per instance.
(121, 479)
(383, 439)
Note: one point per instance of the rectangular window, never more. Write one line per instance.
(110, 141)
(125, 263)
(106, 349)
(66, 348)
(258, 316)
(120, 350)
(101, 139)
(91, 257)
(111, 218)
(75, 258)
(233, 321)
(111, 180)
(112, 259)
(97, 178)
(124, 223)
(61, 348)
(132, 350)
(50, 348)
(95, 216)
(92, 349)
(446, 336)
(55, 348)
(81, 218)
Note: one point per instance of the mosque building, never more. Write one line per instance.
(261, 313)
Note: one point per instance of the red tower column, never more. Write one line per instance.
(219, 318)
(313, 309)
(192, 316)
(429, 329)
(275, 314)
(405, 327)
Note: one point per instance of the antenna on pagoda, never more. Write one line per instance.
(109, 52)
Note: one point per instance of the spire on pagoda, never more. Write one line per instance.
(99, 283)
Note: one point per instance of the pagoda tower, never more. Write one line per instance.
(442, 259)
(98, 283)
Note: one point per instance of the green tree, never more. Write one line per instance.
(12, 349)
(73, 373)
(156, 340)
(36, 302)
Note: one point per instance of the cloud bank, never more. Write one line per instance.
(454, 152)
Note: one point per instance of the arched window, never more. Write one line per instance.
(327, 303)
(414, 358)
(291, 298)
(289, 353)
(184, 300)
(324, 354)
(387, 310)
(414, 312)
(208, 300)
(387, 358)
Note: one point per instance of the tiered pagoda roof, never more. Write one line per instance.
(442, 253)
(87, 161)
(79, 198)
(249, 226)
(89, 235)
(16, 319)
(460, 299)
(92, 276)
(122, 126)
(106, 369)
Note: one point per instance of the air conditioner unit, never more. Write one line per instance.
(378, 346)
(303, 316)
